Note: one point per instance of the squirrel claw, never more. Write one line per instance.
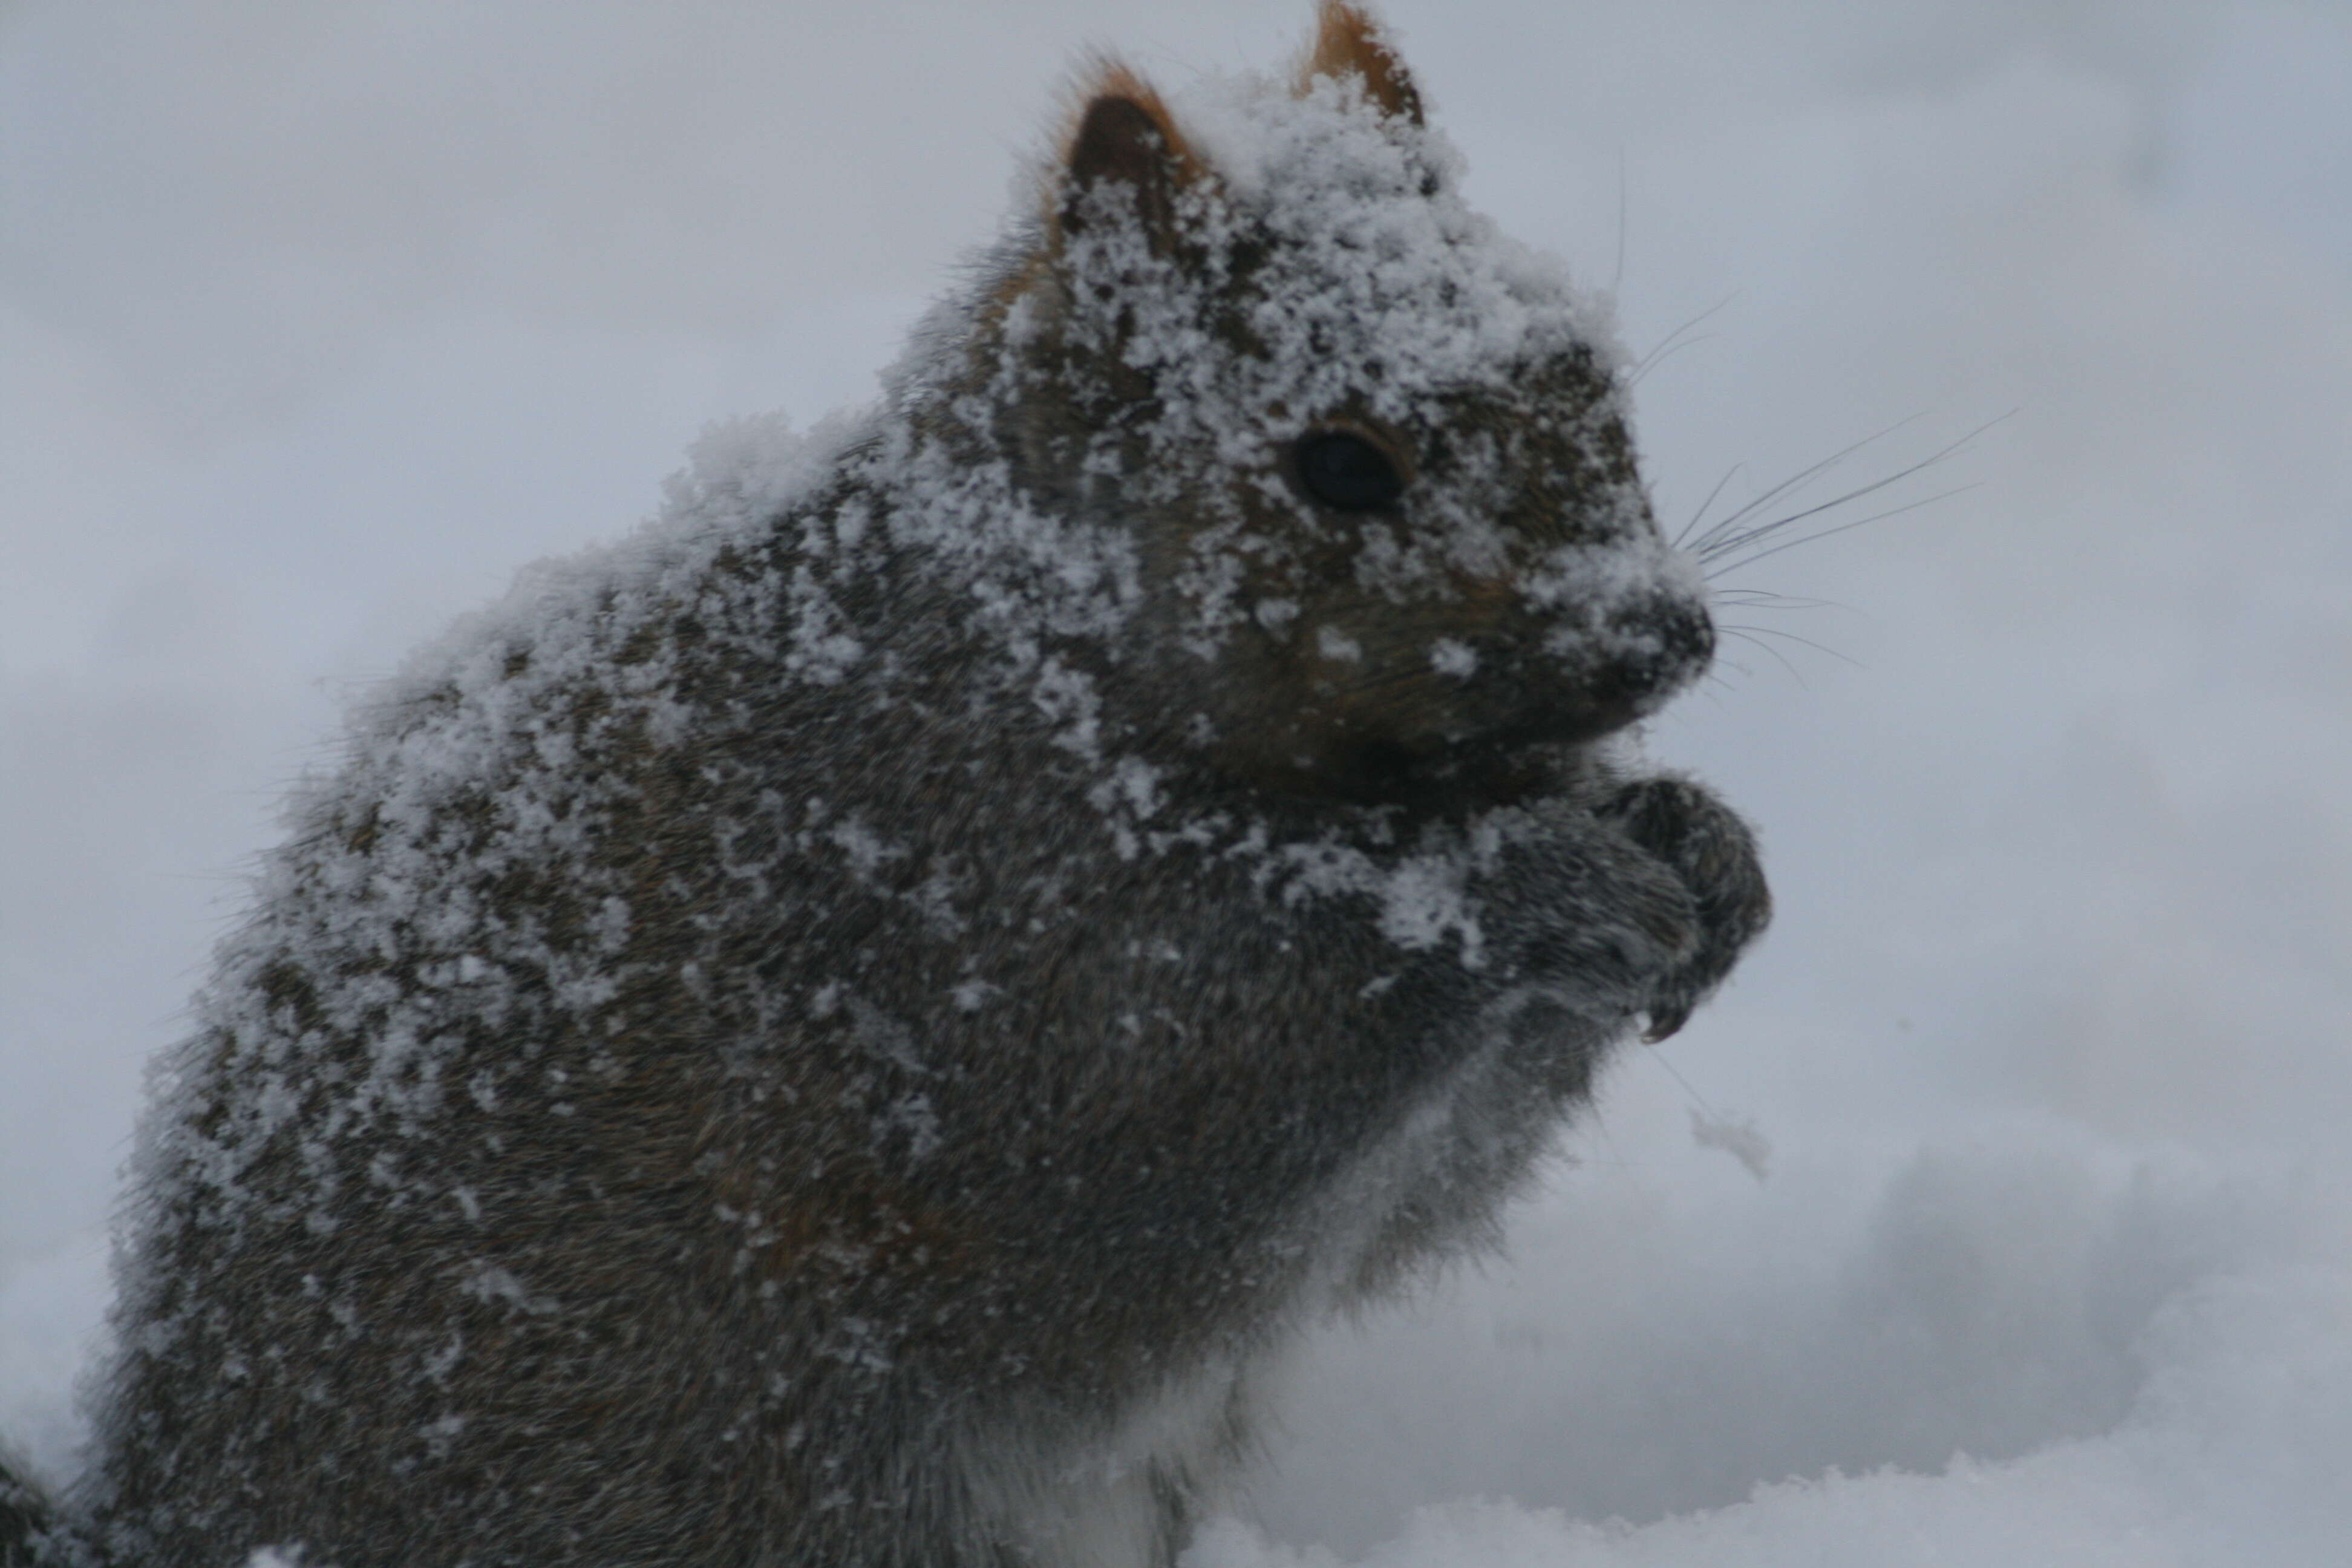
(1666, 1022)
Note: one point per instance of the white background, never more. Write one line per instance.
(316, 320)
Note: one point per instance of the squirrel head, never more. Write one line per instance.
(1372, 456)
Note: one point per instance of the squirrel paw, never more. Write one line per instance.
(1590, 912)
(1705, 843)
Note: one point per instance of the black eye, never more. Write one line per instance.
(1347, 471)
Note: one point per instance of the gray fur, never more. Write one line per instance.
(842, 1033)
(24, 1513)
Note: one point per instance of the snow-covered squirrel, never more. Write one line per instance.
(843, 1030)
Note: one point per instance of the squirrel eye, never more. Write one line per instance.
(1347, 472)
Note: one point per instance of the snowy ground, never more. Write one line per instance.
(315, 322)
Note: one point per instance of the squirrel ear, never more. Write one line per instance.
(1125, 136)
(1348, 42)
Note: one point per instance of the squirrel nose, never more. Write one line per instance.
(1641, 655)
(1655, 648)
(1608, 676)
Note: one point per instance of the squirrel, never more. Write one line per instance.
(846, 1028)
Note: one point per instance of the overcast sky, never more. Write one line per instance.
(318, 320)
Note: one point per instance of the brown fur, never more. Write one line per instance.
(1110, 81)
(680, 1105)
(1349, 42)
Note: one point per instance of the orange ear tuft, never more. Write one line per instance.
(1114, 81)
(1348, 42)
(1125, 133)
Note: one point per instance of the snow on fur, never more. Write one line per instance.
(1017, 901)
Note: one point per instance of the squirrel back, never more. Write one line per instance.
(843, 1029)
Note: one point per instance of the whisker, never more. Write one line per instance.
(1764, 599)
(1715, 671)
(1731, 545)
(1715, 542)
(1722, 536)
(1728, 475)
(1828, 532)
(1634, 377)
(1753, 632)
(1672, 341)
(1617, 279)
(1711, 539)
(1744, 634)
